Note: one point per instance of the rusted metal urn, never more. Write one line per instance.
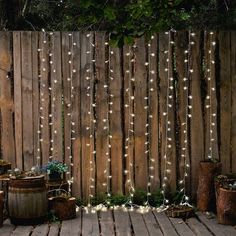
(226, 206)
(63, 208)
(1, 207)
(206, 200)
(27, 200)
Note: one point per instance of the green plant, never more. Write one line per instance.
(55, 166)
(118, 199)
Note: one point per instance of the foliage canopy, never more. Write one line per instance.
(124, 19)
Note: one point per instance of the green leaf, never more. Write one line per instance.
(128, 40)
(109, 13)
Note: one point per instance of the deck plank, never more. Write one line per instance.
(90, 226)
(181, 227)
(71, 227)
(165, 224)
(40, 230)
(122, 223)
(107, 224)
(214, 227)
(22, 231)
(7, 228)
(197, 227)
(54, 230)
(151, 224)
(139, 226)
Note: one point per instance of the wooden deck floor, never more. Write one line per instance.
(120, 223)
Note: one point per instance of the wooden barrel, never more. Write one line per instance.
(27, 200)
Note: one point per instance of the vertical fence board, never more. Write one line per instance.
(196, 121)
(153, 114)
(182, 45)
(87, 141)
(44, 96)
(140, 119)
(35, 77)
(102, 152)
(233, 79)
(6, 99)
(225, 101)
(76, 144)
(27, 95)
(56, 75)
(115, 120)
(163, 48)
(17, 98)
(66, 75)
(128, 108)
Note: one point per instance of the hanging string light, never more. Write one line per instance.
(211, 90)
(185, 124)
(169, 105)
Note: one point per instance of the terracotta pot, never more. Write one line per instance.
(206, 200)
(63, 208)
(226, 206)
(1, 207)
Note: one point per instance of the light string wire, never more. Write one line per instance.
(130, 130)
(211, 89)
(167, 128)
(188, 97)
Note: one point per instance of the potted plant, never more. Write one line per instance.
(4, 167)
(55, 169)
(226, 199)
(62, 206)
(208, 170)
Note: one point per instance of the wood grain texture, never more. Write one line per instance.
(151, 224)
(225, 101)
(90, 225)
(122, 223)
(116, 150)
(106, 223)
(140, 119)
(138, 224)
(17, 98)
(6, 98)
(196, 121)
(102, 107)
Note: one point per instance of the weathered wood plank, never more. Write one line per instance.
(41, 230)
(233, 120)
(128, 92)
(87, 114)
(76, 103)
(106, 223)
(22, 231)
(17, 98)
(66, 75)
(6, 99)
(225, 101)
(54, 230)
(7, 228)
(44, 96)
(140, 119)
(165, 224)
(71, 227)
(197, 227)
(122, 223)
(181, 227)
(56, 96)
(217, 229)
(90, 224)
(27, 95)
(196, 121)
(211, 130)
(182, 45)
(153, 116)
(138, 224)
(35, 87)
(102, 106)
(115, 86)
(151, 224)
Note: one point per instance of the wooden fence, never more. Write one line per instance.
(71, 97)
